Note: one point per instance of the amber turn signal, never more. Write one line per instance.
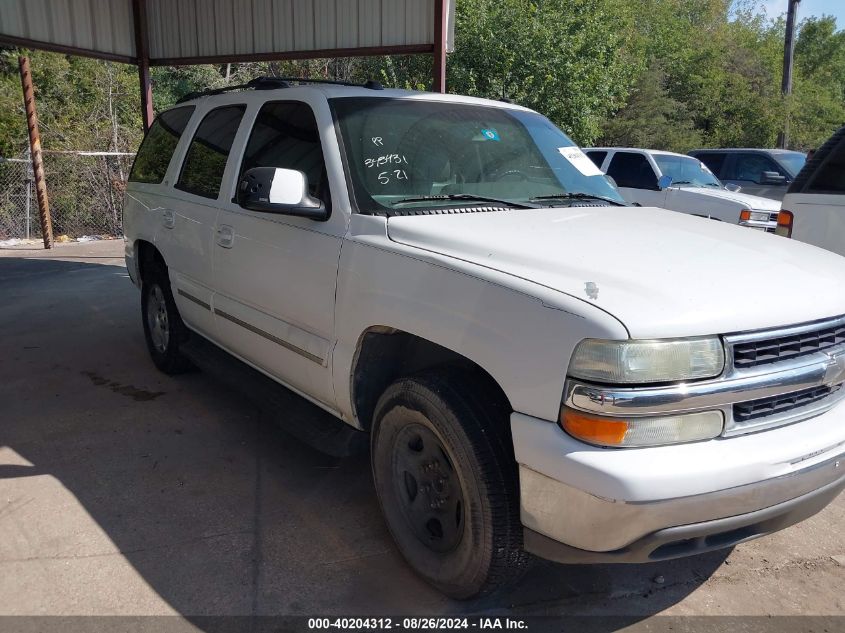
(593, 429)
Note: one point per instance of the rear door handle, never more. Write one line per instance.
(168, 218)
(225, 235)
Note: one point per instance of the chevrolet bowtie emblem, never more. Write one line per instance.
(835, 372)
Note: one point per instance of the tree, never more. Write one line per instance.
(652, 118)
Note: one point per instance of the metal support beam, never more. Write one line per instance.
(35, 149)
(142, 52)
(440, 28)
(786, 81)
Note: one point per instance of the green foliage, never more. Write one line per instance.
(556, 56)
(652, 118)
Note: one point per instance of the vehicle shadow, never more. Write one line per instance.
(218, 512)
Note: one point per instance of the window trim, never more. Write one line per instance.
(176, 185)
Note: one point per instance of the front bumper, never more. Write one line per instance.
(633, 502)
(693, 538)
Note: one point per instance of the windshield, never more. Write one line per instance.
(399, 150)
(793, 161)
(686, 170)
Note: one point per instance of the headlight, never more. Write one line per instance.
(645, 431)
(644, 361)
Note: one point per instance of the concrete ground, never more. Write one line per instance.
(124, 491)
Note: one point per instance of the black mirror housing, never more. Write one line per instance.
(277, 190)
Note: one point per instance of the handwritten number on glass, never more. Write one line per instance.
(387, 176)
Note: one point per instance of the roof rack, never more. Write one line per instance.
(274, 83)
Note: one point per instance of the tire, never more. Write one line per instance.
(447, 482)
(164, 330)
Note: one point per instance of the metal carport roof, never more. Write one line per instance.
(177, 32)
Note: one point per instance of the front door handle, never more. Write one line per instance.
(168, 218)
(225, 235)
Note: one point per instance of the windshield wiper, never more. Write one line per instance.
(468, 197)
(579, 195)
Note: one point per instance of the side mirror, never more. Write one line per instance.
(732, 186)
(664, 182)
(772, 178)
(277, 190)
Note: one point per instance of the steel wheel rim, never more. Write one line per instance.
(428, 489)
(157, 319)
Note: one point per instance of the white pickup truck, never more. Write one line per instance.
(538, 367)
(656, 178)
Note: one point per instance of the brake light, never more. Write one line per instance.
(784, 227)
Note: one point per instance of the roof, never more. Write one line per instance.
(199, 31)
(331, 91)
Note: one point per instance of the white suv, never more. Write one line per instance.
(537, 366)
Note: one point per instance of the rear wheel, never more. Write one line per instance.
(164, 330)
(447, 482)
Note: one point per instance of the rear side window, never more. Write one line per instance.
(714, 161)
(202, 171)
(285, 135)
(597, 157)
(632, 170)
(830, 175)
(159, 144)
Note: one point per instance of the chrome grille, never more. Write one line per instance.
(753, 353)
(776, 405)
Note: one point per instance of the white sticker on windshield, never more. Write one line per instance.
(580, 161)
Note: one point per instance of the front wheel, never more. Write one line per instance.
(447, 482)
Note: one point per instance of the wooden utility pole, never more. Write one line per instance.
(786, 80)
(35, 150)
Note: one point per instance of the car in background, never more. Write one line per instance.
(654, 178)
(815, 201)
(761, 172)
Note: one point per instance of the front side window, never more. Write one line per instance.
(159, 144)
(633, 170)
(285, 135)
(750, 167)
(830, 175)
(205, 162)
(396, 149)
(714, 161)
(597, 157)
(686, 171)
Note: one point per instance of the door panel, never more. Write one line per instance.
(189, 218)
(275, 281)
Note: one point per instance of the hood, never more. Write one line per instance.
(746, 200)
(660, 273)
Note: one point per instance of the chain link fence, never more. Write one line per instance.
(85, 190)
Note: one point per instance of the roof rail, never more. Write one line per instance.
(273, 83)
